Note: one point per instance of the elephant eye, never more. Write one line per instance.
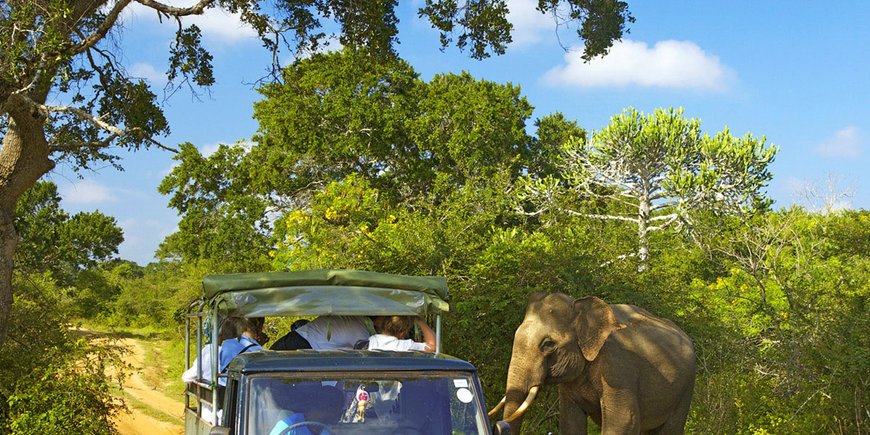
(548, 344)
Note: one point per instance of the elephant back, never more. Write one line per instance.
(629, 314)
(635, 322)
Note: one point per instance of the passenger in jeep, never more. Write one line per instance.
(325, 332)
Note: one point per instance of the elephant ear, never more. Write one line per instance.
(594, 321)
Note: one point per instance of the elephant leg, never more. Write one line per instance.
(620, 413)
(572, 419)
(676, 423)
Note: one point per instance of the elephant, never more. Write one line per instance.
(630, 371)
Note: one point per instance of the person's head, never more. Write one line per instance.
(229, 329)
(252, 327)
(395, 326)
(299, 323)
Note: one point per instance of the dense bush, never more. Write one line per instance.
(54, 381)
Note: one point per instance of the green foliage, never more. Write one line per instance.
(792, 344)
(221, 225)
(56, 242)
(654, 171)
(600, 22)
(53, 381)
(336, 116)
(160, 296)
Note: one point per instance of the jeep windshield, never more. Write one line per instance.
(376, 403)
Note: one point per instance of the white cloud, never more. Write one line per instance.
(846, 143)
(148, 72)
(87, 192)
(209, 149)
(214, 22)
(529, 23)
(667, 64)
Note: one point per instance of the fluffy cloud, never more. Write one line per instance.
(148, 72)
(667, 64)
(529, 23)
(214, 23)
(846, 143)
(86, 192)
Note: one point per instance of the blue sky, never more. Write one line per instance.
(795, 72)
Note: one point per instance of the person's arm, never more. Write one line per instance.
(428, 334)
(190, 375)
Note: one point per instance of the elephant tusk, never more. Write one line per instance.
(522, 409)
(498, 407)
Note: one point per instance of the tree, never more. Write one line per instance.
(338, 115)
(59, 48)
(654, 171)
(53, 241)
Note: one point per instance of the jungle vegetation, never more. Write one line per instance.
(358, 163)
(67, 100)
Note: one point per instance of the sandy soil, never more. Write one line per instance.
(137, 422)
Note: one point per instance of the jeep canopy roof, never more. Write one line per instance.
(320, 292)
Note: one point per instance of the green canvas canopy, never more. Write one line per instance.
(325, 292)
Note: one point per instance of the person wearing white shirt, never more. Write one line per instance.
(237, 335)
(392, 333)
(325, 332)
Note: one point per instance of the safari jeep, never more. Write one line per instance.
(336, 391)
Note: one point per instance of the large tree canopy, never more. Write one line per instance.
(56, 51)
(53, 241)
(337, 115)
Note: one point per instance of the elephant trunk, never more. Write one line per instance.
(530, 399)
(519, 395)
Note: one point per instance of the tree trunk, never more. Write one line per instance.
(24, 158)
(642, 232)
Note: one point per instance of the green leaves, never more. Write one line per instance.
(345, 121)
(188, 58)
(655, 171)
(62, 244)
(54, 381)
(221, 220)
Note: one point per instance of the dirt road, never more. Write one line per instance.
(152, 412)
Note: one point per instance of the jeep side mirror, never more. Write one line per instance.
(501, 427)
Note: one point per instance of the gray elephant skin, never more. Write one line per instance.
(630, 371)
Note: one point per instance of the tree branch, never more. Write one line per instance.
(196, 9)
(673, 218)
(98, 122)
(602, 216)
(104, 28)
(620, 258)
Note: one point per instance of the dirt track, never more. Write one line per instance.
(139, 421)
